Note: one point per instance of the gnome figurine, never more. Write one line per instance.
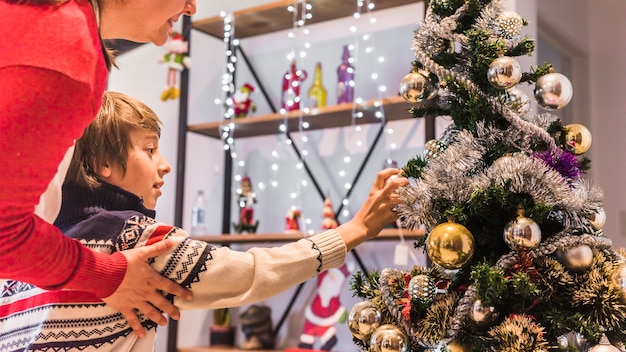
(242, 104)
(176, 61)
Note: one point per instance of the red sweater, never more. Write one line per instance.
(52, 77)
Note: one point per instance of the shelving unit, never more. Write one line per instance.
(264, 19)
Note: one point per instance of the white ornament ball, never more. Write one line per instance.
(576, 259)
(509, 24)
(598, 219)
(553, 91)
(363, 319)
(389, 338)
(504, 72)
(604, 346)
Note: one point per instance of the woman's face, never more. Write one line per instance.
(142, 21)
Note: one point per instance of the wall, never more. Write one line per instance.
(590, 35)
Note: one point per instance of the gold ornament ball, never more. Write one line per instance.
(576, 259)
(457, 347)
(504, 72)
(578, 138)
(363, 319)
(620, 279)
(388, 338)
(522, 233)
(450, 245)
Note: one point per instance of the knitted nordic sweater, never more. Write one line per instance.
(111, 219)
(52, 77)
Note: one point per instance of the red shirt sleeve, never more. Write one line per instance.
(35, 130)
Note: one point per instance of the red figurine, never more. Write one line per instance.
(242, 103)
(328, 215)
(291, 221)
(246, 198)
(292, 80)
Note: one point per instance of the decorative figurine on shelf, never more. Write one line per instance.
(292, 80)
(328, 215)
(176, 61)
(317, 92)
(325, 311)
(345, 78)
(242, 104)
(246, 198)
(291, 221)
(256, 325)
(221, 333)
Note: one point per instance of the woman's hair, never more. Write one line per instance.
(107, 138)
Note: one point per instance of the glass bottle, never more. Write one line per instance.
(317, 92)
(198, 215)
(345, 78)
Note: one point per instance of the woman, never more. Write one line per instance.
(53, 73)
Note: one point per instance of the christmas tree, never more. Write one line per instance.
(518, 258)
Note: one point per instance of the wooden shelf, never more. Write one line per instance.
(274, 16)
(395, 108)
(385, 235)
(219, 349)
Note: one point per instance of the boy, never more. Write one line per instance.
(109, 194)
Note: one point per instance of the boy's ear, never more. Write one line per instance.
(103, 170)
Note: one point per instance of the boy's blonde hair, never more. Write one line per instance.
(107, 138)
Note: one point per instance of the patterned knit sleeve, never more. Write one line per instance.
(222, 277)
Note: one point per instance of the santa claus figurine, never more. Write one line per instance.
(291, 221)
(176, 61)
(325, 311)
(242, 104)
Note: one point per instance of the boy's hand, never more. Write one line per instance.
(141, 286)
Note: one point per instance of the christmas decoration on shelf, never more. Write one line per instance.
(345, 78)
(256, 325)
(176, 61)
(292, 82)
(243, 105)
(317, 92)
(292, 223)
(515, 229)
(246, 198)
(328, 216)
(325, 311)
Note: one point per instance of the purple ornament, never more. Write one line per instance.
(345, 75)
(564, 162)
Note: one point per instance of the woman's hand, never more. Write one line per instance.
(376, 211)
(143, 289)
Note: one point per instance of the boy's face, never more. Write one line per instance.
(145, 168)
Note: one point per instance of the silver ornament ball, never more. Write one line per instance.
(518, 101)
(422, 288)
(553, 91)
(363, 319)
(483, 316)
(576, 259)
(433, 148)
(417, 86)
(522, 233)
(604, 346)
(389, 338)
(504, 72)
